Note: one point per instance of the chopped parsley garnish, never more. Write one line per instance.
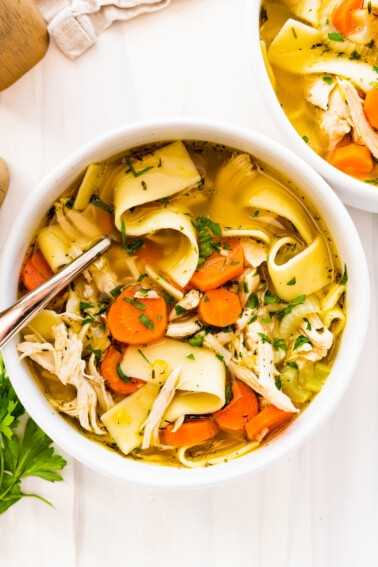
(180, 310)
(121, 374)
(207, 229)
(97, 202)
(196, 341)
(138, 304)
(293, 281)
(301, 340)
(133, 171)
(336, 36)
(344, 279)
(146, 322)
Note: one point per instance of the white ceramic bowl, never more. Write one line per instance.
(351, 191)
(351, 254)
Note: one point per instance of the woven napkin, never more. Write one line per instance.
(75, 24)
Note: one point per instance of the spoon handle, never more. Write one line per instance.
(19, 314)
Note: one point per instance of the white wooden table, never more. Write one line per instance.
(316, 508)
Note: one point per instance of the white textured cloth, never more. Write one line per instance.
(75, 24)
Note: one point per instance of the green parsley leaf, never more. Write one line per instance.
(301, 340)
(121, 374)
(25, 450)
(146, 322)
(336, 36)
(97, 202)
(133, 171)
(135, 303)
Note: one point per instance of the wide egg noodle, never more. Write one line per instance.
(294, 49)
(167, 172)
(310, 269)
(201, 386)
(182, 262)
(305, 273)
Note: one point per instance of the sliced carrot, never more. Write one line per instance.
(111, 375)
(371, 107)
(343, 16)
(219, 307)
(220, 267)
(35, 271)
(137, 321)
(191, 432)
(352, 159)
(270, 418)
(241, 409)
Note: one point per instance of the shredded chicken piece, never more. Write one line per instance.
(319, 92)
(63, 359)
(213, 344)
(265, 368)
(159, 407)
(189, 302)
(248, 283)
(320, 337)
(146, 294)
(255, 253)
(336, 121)
(364, 131)
(268, 391)
(183, 328)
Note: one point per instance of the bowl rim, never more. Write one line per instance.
(348, 244)
(352, 192)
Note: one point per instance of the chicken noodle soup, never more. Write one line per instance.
(322, 60)
(211, 322)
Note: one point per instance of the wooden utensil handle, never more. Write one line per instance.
(23, 39)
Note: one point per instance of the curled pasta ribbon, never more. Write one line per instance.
(305, 273)
(157, 176)
(182, 261)
(201, 386)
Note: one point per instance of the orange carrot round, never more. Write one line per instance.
(352, 159)
(371, 107)
(343, 16)
(220, 267)
(270, 418)
(137, 320)
(35, 271)
(190, 433)
(111, 375)
(241, 409)
(219, 307)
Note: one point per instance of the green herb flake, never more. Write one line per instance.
(180, 310)
(336, 36)
(191, 356)
(327, 79)
(301, 340)
(344, 279)
(133, 171)
(279, 344)
(196, 341)
(135, 303)
(264, 338)
(293, 281)
(99, 203)
(121, 374)
(146, 322)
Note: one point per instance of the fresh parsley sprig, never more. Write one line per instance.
(25, 450)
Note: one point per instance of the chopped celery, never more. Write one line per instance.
(89, 184)
(290, 386)
(319, 376)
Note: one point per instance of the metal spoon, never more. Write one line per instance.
(19, 314)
